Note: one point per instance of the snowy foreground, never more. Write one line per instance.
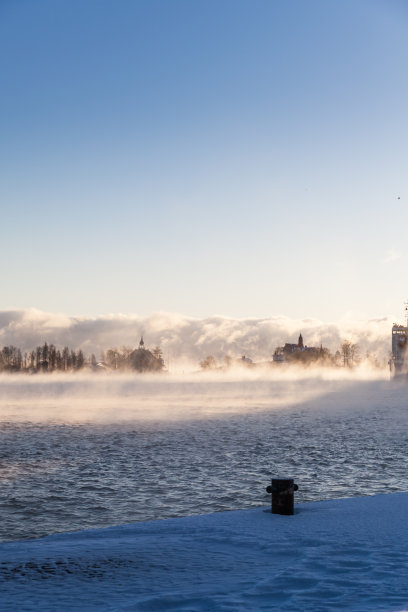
(349, 554)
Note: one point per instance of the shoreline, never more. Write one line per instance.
(350, 554)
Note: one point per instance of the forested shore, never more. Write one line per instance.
(49, 358)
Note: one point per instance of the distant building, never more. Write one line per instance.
(287, 349)
(291, 351)
(398, 361)
(279, 355)
(143, 360)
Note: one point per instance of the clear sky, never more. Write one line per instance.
(242, 158)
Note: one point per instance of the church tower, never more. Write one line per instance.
(300, 341)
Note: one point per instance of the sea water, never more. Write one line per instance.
(83, 454)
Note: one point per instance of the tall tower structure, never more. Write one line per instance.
(300, 341)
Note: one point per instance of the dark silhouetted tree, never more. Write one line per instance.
(208, 363)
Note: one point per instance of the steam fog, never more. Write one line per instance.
(185, 340)
(101, 448)
(111, 397)
(86, 451)
(184, 391)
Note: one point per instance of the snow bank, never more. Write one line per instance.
(349, 554)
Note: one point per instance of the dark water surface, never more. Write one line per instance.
(348, 440)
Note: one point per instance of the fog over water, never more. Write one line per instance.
(111, 396)
(88, 451)
(187, 340)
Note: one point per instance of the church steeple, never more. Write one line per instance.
(300, 341)
(141, 343)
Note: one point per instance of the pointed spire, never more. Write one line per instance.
(300, 341)
(141, 343)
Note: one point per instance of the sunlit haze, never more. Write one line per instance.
(185, 340)
(203, 305)
(234, 158)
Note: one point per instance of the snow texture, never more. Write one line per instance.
(349, 554)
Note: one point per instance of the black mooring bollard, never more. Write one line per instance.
(282, 490)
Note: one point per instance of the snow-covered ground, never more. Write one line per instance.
(349, 554)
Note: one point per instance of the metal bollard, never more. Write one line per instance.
(282, 490)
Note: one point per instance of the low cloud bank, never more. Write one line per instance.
(185, 339)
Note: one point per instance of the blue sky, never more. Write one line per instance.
(222, 157)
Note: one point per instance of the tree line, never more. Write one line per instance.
(42, 358)
(48, 358)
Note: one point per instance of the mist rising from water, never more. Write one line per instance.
(186, 340)
(112, 397)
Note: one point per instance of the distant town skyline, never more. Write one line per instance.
(237, 158)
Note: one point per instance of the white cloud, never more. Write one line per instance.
(391, 256)
(184, 338)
